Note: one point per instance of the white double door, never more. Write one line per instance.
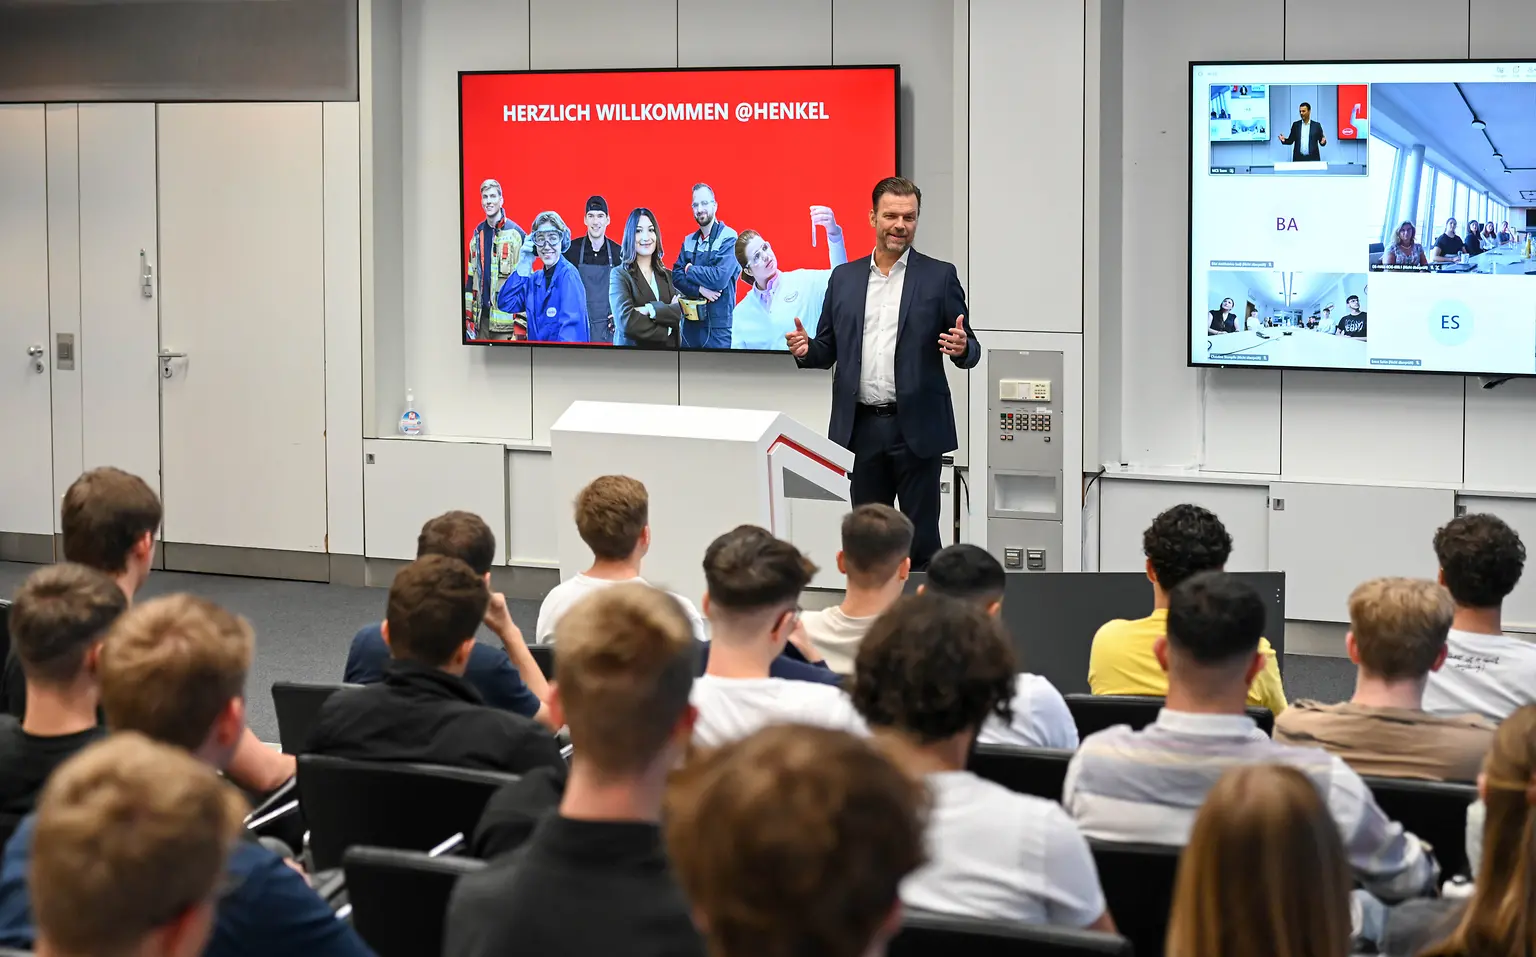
(182, 246)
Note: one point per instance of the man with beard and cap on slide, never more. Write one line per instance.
(552, 296)
(595, 257)
(707, 269)
(493, 255)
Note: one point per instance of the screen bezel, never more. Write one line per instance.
(1189, 218)
(895, 71)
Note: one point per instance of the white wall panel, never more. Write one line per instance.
(343, 331)
(63, 123)
(1520, 606)
(1502, 28)
(1372, 427)
(757, 382)
(598, 34)
(1501, 435)
(1026, 165)
(748, 34)
(1127, 507)
(561, 376)
(1330, 538)
(532, 519)
(462, 390)
(1242, 420)
(409, 481)
(1358, 30)
(120, 328)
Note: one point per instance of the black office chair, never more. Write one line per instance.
(400, 898)
(1037, 771)
(1095, 712)
(1433, 810)
(298, 705)
(1138, 882)
(409, 806)
(939, 935)
(544, 657)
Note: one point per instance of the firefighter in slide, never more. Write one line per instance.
(493, 253)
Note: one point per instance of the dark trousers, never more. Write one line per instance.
(886, 471)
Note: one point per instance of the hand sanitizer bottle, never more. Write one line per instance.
(410, 419)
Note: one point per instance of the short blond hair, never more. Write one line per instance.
(169, 666)
(130, 835)
(1400, 625)
(611, 513)
(624, 672)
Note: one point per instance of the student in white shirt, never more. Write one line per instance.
(753, 583)
(876, 559)
(1040, 716)
(613, 518)
(1486, 672)
(929, 673)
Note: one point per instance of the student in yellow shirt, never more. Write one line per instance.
(1181, 542)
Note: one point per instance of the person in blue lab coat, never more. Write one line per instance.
(707, 269)
(552, 295)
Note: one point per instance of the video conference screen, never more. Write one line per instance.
(665, 209)
(1365, 216)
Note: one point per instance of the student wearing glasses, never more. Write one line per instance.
(778, 297)
(552, 295)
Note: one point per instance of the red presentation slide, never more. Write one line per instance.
(556, 169)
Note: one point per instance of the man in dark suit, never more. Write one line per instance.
(1306, 136)
(885, 322)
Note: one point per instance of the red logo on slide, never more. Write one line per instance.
(1354, 122)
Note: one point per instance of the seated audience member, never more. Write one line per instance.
(753, 583)
(1040, 719)
(1497, 918)
(506, 678)
(1181, 542)
(594, 878)
(57, 622)
(131, 846)
(929, 672)
(1264, 873)
(613, 514)
(795, 841)
(875, 558)
(1125, 785)
(109, 520)
(424, 710)
(1486, 672)
(174, 669)
(1396, 637)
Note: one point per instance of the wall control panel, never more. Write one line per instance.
(1025, 455)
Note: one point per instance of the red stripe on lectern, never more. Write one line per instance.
(786, 440)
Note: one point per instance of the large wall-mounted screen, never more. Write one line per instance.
(1365, 216)
(747, 185)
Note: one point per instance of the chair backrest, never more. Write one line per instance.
(400, 898)
(1095, 712)
(298, 705)
(409, 806)
(938, 935)
(544, 657)
(1433, 810)
(1138, 882)
(1036, 771)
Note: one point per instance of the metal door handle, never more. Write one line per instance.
(34, 351)
(172, 355)
(165, 362)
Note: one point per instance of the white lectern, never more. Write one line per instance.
(707, 470)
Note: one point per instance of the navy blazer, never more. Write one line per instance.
(931, 299)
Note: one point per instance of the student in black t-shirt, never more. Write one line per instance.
(424, 710)
(1448, 245)
(594, 877)
(1352, 323)
(59, 617)
(1223, 320)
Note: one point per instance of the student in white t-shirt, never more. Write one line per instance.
(1040, 716)
(1485, 671)
(613, 518)
(875, 559)
(930, 671)
(753, 585)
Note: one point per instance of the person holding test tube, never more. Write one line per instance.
(777, 298)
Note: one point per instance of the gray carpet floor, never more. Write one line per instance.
(303, 630)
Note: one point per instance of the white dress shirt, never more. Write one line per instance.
(882, 312)
(1306, 137)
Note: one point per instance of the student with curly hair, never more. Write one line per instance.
(1180, 543)
(1485, 672)
(929, 673)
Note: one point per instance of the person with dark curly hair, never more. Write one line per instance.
(1181, 542)
(929, 672)
(1485, 671)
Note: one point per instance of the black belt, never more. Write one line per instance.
(888, 409)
